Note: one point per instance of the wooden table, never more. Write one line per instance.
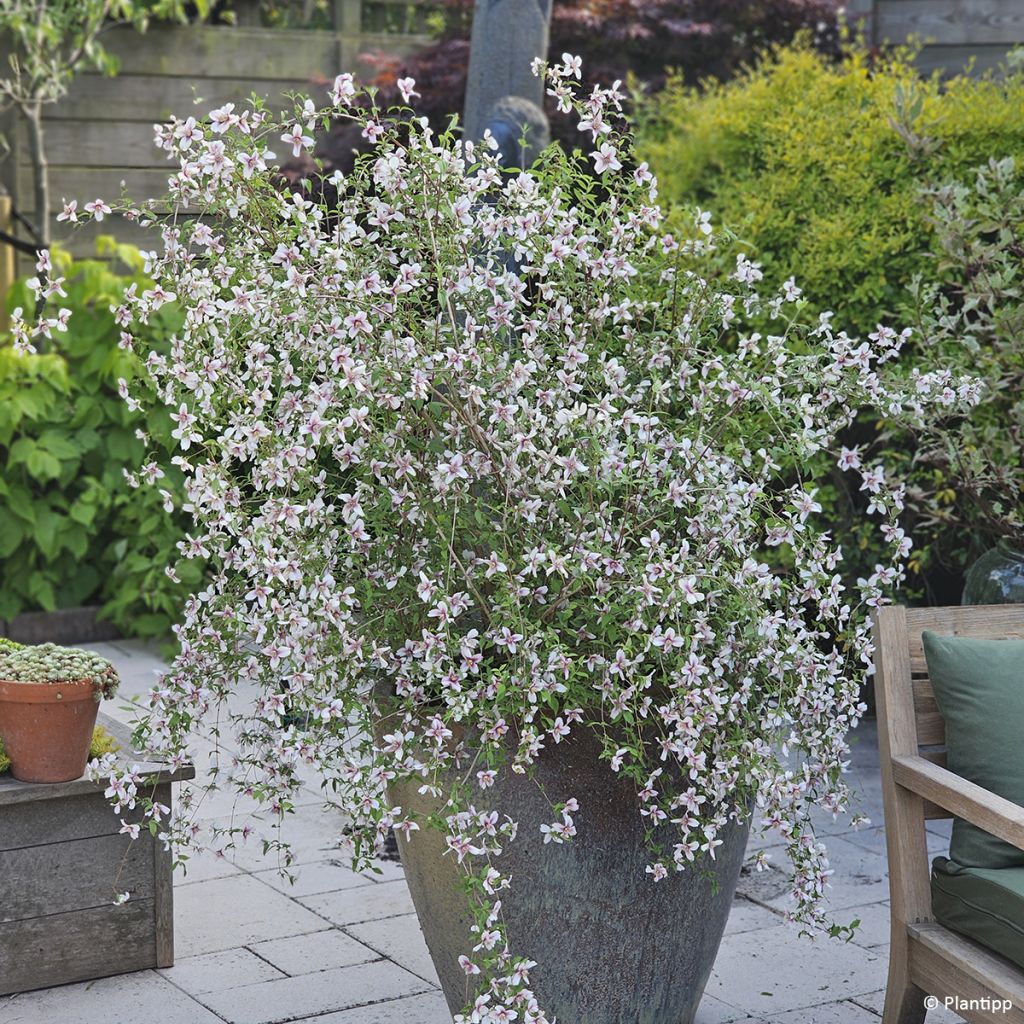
(63, 860)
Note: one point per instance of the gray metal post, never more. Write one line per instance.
(502, 92)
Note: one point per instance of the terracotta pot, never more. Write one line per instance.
(612, 946)
(47, 728)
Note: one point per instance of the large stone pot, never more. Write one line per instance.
(611, 945)
(997, 577)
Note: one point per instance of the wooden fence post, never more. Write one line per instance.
(348, 24)
(862, 11)
(348, 16)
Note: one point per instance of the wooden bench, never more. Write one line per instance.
(62, 861)
(926, 959)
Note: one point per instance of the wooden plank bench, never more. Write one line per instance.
(924, 957)
(62, 861)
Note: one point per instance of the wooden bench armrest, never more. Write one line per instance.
(994, 814)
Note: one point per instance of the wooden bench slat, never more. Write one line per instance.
(946, 964)
(979, 806)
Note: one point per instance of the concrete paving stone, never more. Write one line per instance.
(310, 835)
(399, 939)
(429, 1008)
(369, 903)
(767, 886)
(874, 1001)
(124, 999)
(222, 804)
(312, 879)
(288, 999)
(317, 951)
(873, 840)
(385, 871)
(212, 972)
(864, 744)
(204, 866)
(225, 913)
(768, 841)
(714, 1011)
(940, 827)
(746, 916)
(773, 970)
(859, 877)
(829, 1013)
(874, 927)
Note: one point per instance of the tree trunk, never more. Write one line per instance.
(40, 172)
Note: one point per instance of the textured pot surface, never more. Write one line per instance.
(612, 947)
(997, 577)
(46, 728)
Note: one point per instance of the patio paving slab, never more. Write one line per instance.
(225, 913)
(342, 948)
(773, 970)
(426, 1009)
(290, 999)
(142, 998)
(317, 951)
(214, 972)
(367, 903)
(401, 940)
(329, 875)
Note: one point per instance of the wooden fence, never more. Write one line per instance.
(99, 138)
(956, 33)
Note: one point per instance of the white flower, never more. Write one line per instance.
(406, 87)
(606, 159)
(97, 208)
(297, 139)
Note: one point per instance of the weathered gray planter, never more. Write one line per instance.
(62, 861)
(612, 947)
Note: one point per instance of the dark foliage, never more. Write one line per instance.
(702, 38)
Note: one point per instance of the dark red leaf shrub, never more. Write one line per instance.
(703, 38)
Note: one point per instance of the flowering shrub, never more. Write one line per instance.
(483, 457)
(969, 469)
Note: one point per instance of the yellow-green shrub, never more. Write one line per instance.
(817, 166)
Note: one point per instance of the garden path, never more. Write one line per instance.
(343, 948)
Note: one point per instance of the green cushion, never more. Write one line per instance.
(985, 904)
(979, 687)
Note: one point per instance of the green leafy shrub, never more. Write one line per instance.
(817, 165)
(968, 472)
(72, 531)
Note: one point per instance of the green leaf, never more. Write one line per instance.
(20, 503)
(12, 532)
(47, 523)
(42, 465)
(41, 590)
(59, 444)
(10, 603)
(83, 511)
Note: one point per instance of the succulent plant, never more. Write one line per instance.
(8, 645)
(48, 663)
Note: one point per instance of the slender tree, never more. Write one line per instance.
(49, 42)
